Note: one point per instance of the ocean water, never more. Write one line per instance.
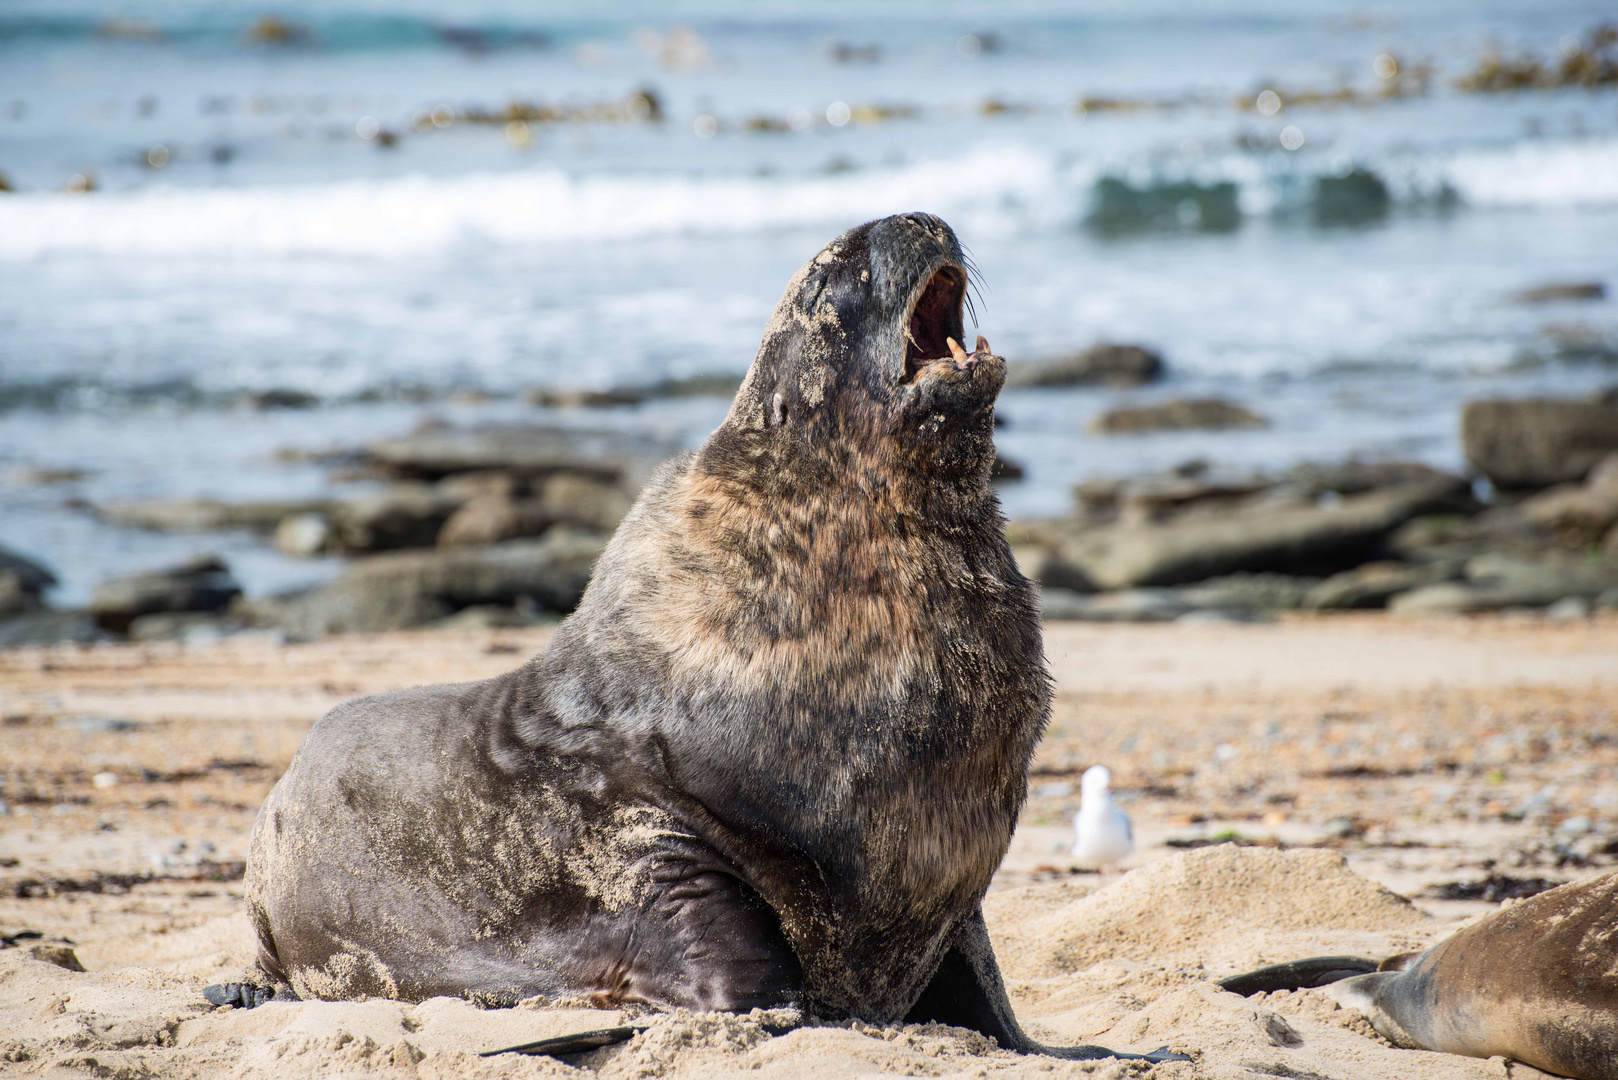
(395, 213)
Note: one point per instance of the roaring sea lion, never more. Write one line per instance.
(775, 755)
(1536, 982)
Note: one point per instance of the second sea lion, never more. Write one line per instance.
(1536, 982)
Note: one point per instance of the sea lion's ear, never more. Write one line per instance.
(778, 410)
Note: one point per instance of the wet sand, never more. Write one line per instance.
(1350, 761)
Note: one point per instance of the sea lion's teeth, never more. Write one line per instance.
(983, 344)
(955, 349)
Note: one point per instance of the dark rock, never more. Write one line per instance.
(1250, 592)
(204, 515)
(22, 583)
(1309, 540)
(1109, 365)
(404, 516)
(1563, 290)
(58, 953)
(489, 519)
(1004, 471)
(404, 589)
(1495, 582)
(1130, 605)
(283, 399)
(585, 399)
(181, 626)
(1374, 584)
(1535, 443)
(585, 502)
(1181, 414)
(1581, 515)
(470, 485)
(1358, 477)
(203, 584)
(523, 450)
(1148, 501)
(50, 628)
(493, 617)
(562, 499)
(43, 475)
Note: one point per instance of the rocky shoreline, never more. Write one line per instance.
(499, 525)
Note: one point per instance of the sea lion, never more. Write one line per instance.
(1536, 982)
(774, 756)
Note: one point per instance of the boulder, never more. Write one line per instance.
(489, 519)
(1180, 414)
(1535, 443)
(204, 515)
(1494, 582)
(1110, 365)
(585, 502)
(409, 588)
(527, 450)
(1147, 501)
(49, 628)
(1358, 477)
(22, 583)
(563, 499)
(203, 584)
(1578, 515)
(1250, 592)
(404, 516)
(1374, 584)
(470, 485)
(187, 626)
(1310, 540)
(1129, 605)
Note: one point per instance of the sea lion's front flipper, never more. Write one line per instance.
(967, 992)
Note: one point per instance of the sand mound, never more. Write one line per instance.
(1223, 906)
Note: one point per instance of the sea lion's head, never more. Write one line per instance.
(862, 364)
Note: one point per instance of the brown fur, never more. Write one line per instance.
(774, 757)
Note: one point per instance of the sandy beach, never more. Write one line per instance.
(1375, 781)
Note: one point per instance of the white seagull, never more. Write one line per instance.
(1102, 835)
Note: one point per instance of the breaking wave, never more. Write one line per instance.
(996, 189)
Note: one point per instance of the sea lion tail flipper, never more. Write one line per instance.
(1297, 974)
(967, 991)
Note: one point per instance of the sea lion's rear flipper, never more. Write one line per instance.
(967, 992)
(1297, 974)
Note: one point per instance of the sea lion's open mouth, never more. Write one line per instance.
(933, 331)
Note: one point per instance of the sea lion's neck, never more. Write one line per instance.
(931, 468)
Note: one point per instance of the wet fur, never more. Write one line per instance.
(774, 757)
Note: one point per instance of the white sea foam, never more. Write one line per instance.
(415, 214)
(1536, 174)
(994, 189)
